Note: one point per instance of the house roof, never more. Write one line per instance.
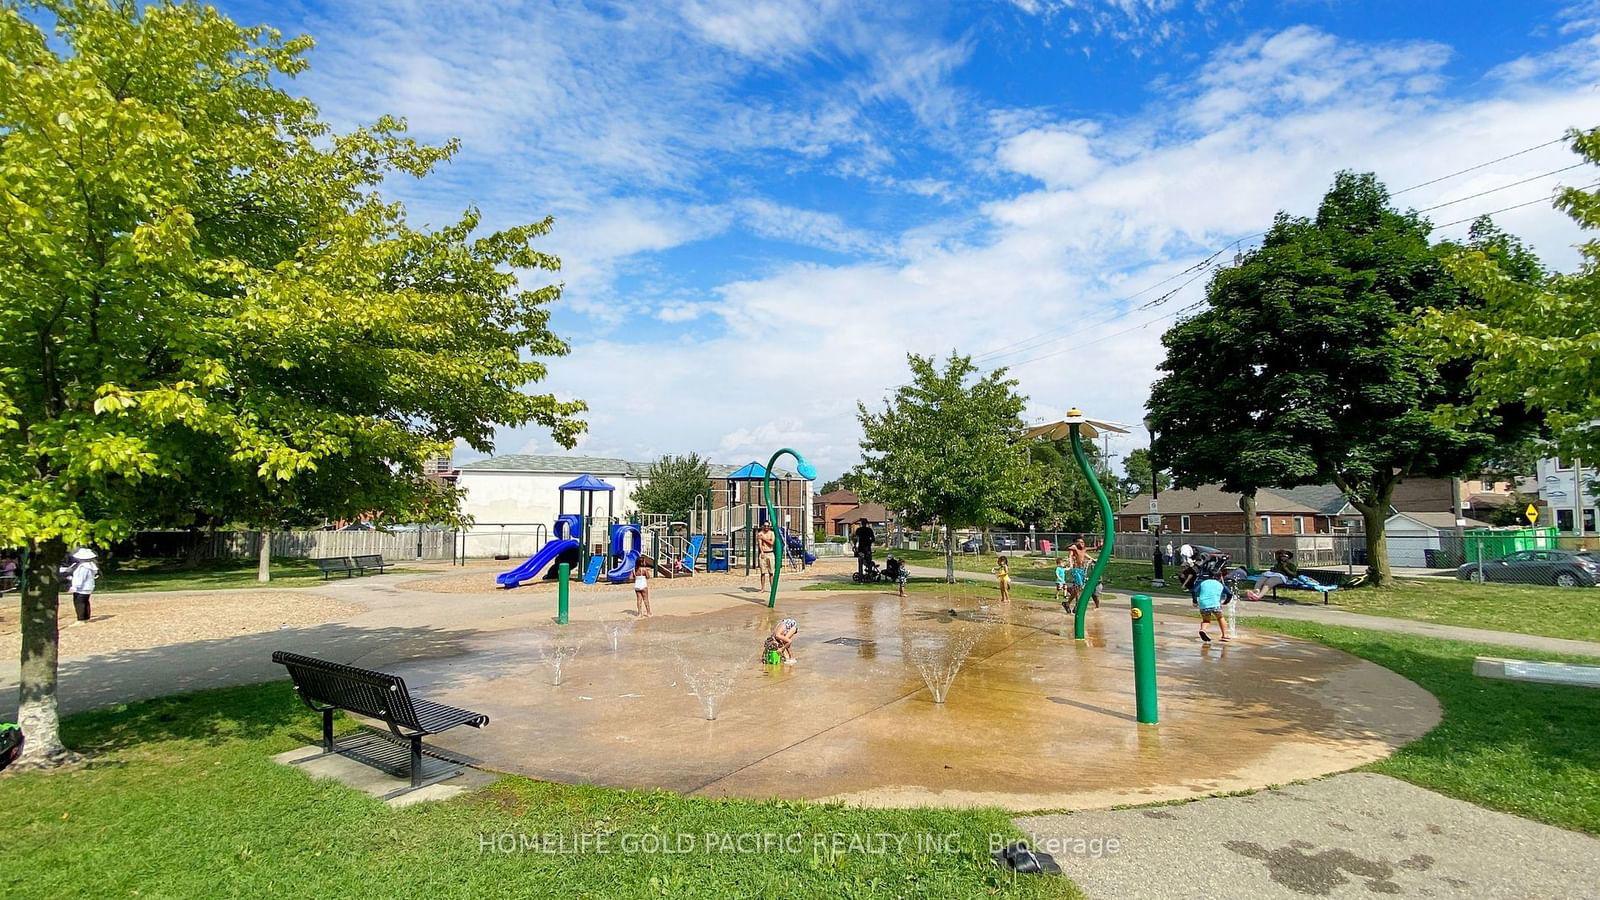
(1326, 499)
(553, 464)
(872, 512)
(1209, 498)
(1438, 519)
(842, 495)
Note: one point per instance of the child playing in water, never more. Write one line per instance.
(1061, 580)
(781, 640)
(641, 588)
(1208, 596)
(1003, 572)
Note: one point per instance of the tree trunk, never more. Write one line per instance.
(1247, 505)
(1375, 521)
(264, 557)
(949, 554)
(36, 695)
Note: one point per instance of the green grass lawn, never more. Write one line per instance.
(1529, 749)
(1529, 609)
(1526, 609)
(166, 575)
(181, 800)
(1120, 574)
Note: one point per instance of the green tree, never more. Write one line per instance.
(945, 448)
(1535, 338)
(206, 300)
(1137, 477)
(671, 485)
(849, 481)
(1301, 370)
(1056, 497)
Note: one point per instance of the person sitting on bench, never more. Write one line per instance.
(1283, 571)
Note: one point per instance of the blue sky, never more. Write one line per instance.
(762, 205)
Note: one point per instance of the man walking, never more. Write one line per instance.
(84, 572)
(861, 542)
(766, 540)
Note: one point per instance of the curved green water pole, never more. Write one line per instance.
(808, 472)
(1108, 531)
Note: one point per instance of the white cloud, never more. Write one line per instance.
(803, 343)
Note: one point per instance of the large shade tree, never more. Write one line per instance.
(1535, 339)
(672, 484)
(945, 448)
(1302, 371)
(206, 300)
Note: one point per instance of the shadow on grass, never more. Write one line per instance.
(246, 712)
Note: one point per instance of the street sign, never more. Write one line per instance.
(1532, 512)
(1154, 506)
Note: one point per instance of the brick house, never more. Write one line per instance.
(825, 507)
(1210, 510)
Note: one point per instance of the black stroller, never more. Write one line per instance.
(869, 572)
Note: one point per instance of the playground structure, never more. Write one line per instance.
(719, 536)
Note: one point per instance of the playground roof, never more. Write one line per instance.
(749, 472)
(587, 483)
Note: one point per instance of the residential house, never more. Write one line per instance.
(1210, 510)
(845, 521)
(825, 507)
(1559, 485)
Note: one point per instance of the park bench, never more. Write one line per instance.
(372, 561)
(327, 686)
(1321, 576)
(331, 564)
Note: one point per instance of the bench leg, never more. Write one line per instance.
(416, 761)
(327, 731)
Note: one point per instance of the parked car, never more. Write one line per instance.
(1563, 568)
(974, 544)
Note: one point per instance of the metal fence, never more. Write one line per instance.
(1495, 555)
(426, 543)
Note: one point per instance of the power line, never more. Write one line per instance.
(1502, 187)
(1496, 212)
(1039, 339)
(1478, 166)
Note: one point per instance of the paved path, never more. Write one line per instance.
(1333, 616)
(1352, 835)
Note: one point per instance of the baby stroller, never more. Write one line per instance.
(894, 570)
(869, 573)
(1207, 565)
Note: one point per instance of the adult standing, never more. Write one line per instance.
(861, 542)
(766, 540)
(1185, 554)
(82, 582)
(1169, 553)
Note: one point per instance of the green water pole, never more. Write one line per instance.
(563, 581)
(1108, 532)
(808, 472)
(1144, 658)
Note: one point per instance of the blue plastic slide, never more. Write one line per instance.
(530, 570)
(691, 553)
(624, 570)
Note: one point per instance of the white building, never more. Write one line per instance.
(1558, 488)
(514, 499)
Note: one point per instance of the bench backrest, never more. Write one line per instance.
(334, 563)
(361, 691)
(375, 559)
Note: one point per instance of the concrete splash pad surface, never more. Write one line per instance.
(1034, 720)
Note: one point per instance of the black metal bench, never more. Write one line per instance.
(327, 686)
(1321, 576)
(371, 561)
(331, 564)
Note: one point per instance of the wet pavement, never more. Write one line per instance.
(1355, 835)
(1034, 720)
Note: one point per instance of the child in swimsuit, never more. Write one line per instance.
(782, 640)
(641, 589)
(1004, 576)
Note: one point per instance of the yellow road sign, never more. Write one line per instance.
(1532, 512)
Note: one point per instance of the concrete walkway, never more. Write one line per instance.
(1352, 835)
(1328, 615)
